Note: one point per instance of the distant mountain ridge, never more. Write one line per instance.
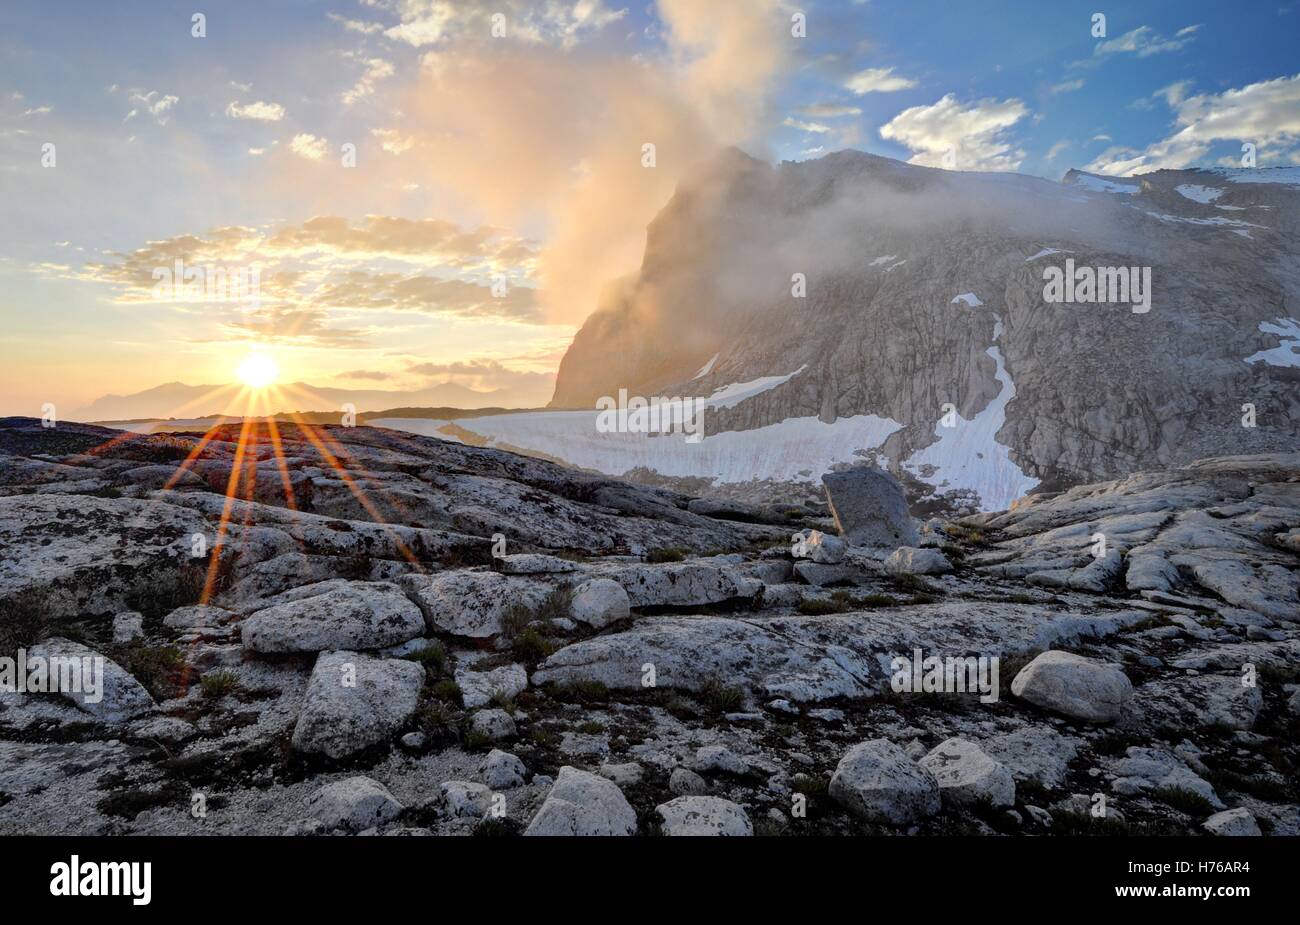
(176, 399)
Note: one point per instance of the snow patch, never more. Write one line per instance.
(1201, 194)
(1045, 252)
(1100, 185)
(1287, 175)
(1287, 353)
(1217, 220)
(970, 298)
(968, 456)
(731, 395)
(880, 260)
(794, 449)
(706, 368)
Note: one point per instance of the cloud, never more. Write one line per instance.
(484, 374)
(975, 134)
(1144, 42)
(877, 80)
(153, 102)
(1068, 86)
(258, 111)
(309, 146)
(567, 156)
(433, 22)
(393, 141)
(308, 273)
(377, 69)
(1055, 150)
(813, 127)
(377, 375)
(1266, 114)
(828, 111)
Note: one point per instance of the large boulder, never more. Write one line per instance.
(870, 508)
(1073, 685)
(354, 701)
(354, 804)
(334, 615)
(878, 781)
(97, 685)
(471, 603)
(697, 815)
(967, 776)
(582, 803)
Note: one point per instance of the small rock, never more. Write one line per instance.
(1073, 685)
(685, 782)
(908, 560)
(355, 804)
(533, 564)
(599, 602)
(582, 803)
(1232, 822)
(478, 687)
(413, 740)
(354, 701)
(99, 686)
(824, 548)
(719, 758)
(968, 776)
(696, 815)
(502, 770)
(496, 725)
(128, 627)
(466, 799)
(332, 615)
(877, 780)
(625, 775)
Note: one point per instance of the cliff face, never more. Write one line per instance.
(925, 289)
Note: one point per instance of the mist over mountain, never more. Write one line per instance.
(925, 292)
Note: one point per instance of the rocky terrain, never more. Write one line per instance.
(354, 630)
(924, 288)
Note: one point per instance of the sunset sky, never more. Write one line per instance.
(514, 160)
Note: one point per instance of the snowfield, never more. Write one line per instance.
(794, 449)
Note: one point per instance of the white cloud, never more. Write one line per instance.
(377, 69)
(878, 80)
(309, 146)
(828, 110)
(154, 103)
(393, 141)
(974, 134)
(1266, 114)
(1056, 149)
(429, 22)
(1068, 86)
(258, 111)
(814, 127)
(1144, 42)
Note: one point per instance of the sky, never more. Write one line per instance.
(397, 193)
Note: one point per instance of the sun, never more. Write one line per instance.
(257, 371)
